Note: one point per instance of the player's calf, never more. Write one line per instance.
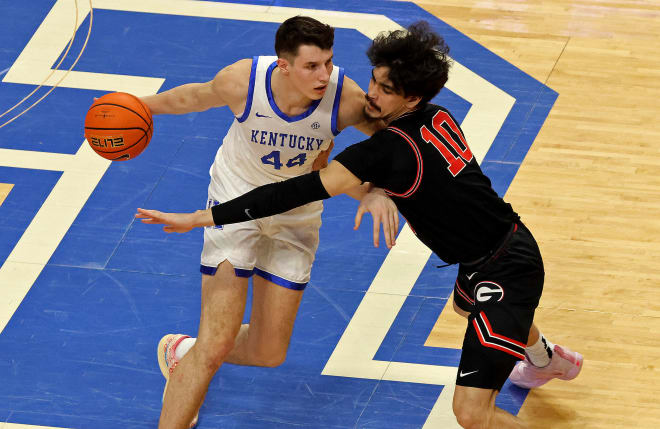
(168, 360)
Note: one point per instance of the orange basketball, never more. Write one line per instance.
(118, 126)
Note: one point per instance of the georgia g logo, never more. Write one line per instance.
(485, 291)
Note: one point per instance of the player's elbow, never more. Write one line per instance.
(192, 97)
(337, 179)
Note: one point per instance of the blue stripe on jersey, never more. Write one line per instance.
(276, 109)
(335, 106)
(242, 273)
(210, 271)
(279, 280)
(248, 102)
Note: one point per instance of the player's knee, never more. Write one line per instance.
(271, 358)
(274, 360)
(469, 417)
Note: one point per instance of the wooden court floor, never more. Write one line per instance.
(590, 190)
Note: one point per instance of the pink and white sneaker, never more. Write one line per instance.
(564, 365)
(167, 361)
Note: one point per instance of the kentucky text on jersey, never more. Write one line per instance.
(293, 141)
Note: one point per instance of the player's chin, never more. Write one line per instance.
(372, 113)
(319, 92)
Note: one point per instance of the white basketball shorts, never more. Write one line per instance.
(279, 248)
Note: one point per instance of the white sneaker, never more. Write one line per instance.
(167, 361)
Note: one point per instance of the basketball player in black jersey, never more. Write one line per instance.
(424, 163)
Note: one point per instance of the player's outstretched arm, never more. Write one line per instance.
(229, 87)
(275, 198)
(176, 222)
(264, 201)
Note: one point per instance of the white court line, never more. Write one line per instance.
(81, 172)
(353, 356)
(19, 426)
(36, 160)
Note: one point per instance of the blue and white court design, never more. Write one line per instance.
(86, 292)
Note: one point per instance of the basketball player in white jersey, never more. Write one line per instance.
(287, 111)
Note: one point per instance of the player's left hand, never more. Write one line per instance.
(384, 211)
(173, 222)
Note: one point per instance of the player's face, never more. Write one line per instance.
(310, 71)
(383, 101)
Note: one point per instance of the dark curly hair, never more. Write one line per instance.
(302, 30)
(417, 58)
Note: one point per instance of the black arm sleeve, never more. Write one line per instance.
(271, 199)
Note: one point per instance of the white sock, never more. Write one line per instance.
(539, 353)
(183, 347)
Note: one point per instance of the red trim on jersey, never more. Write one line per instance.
(500, 337)
(493, 345)
(462, 293)
(420, 165)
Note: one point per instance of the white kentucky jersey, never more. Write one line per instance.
(265, 145)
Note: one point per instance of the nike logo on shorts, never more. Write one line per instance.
(247, 213)
(463, 374)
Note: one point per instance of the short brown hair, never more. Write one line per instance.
(302, 30)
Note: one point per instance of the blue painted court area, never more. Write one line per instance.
(80, 350)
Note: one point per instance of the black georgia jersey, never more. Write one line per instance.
(424, 163)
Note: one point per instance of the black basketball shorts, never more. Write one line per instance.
(501, 295)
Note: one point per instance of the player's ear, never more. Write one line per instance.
(283, 64)
(412, 101)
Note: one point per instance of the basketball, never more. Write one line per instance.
(118, 126)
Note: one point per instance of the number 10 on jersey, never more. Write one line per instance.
(449, 137)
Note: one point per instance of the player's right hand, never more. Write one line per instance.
(173, 222)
